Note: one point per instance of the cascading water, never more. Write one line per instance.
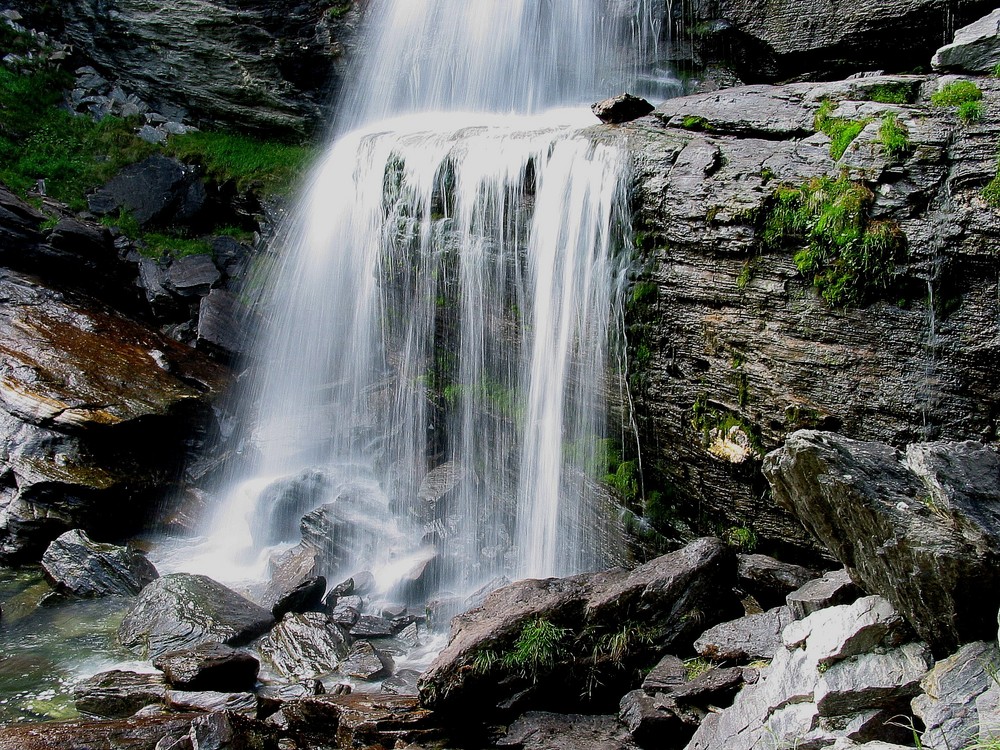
(430, 387)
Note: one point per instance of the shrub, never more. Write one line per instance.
(891, 93)
(893, 136)
(956, 94)
(538, 648)
(970, 112)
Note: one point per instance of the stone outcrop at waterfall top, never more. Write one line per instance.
(920, 527)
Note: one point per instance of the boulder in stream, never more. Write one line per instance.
(82, 567)
(210, 666)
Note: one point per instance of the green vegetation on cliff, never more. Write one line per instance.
(849, 258)
(842, 131)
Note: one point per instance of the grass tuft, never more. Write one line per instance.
(841, 131)
(894, 137)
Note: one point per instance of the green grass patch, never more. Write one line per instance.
(956, 94)
(849, 258)
(970, 112)
(163, 245)
(893, 137)
(891, 93)
(842, 131)
(268, 166)
(539, 647)
(693, 122)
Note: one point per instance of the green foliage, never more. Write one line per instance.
(891, 93)
(268, 166)
(956, 94)
(893, 136)
(970, 112)
(742, 538)
(124, 222)
(850, 259)
(746, 274)
(539, 647)
(693, 122)
(991, 193)
(644, 292)
(625, 480)
(161, 245)
(338, 9)
(841, 131)
(696, 667)
(623, 643)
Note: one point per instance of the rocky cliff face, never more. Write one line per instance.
(264, 66)
(733, 346)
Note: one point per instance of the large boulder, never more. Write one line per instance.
(83, 567)
(975, 49)
(265, 67)
(96, 412)
(304, 645)
(210, 666)
(117, 694)
(921, 528)
(156, 191)
(670, 599)
(841, 674)
(182, 611)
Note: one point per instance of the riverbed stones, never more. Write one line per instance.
(82, 567)
(678, 594)
(118, 693)
(304, 645)
(921, 528)
(210, 666)
(181, 611)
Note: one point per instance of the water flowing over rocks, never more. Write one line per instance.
(921, 528)
(673, 595)
(83, 567)
(181, 610)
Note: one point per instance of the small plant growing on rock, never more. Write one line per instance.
(696, 667)
(742, 538)
(970, 112)
(842, 131)
(893, 136)
(956, 93)
(539, 647)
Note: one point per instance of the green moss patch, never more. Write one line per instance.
(842, 131)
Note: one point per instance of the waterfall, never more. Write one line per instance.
(429, 389)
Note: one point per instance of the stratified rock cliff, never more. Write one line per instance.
(733, 347)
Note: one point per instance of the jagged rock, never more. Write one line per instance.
(842, 673)
(644, 720)
(230, 255)
(19, 224)
(975, 49)
(265, 68)
(948, 704)
(662, 594)
(768, 580)
(752, 637)
(365, 662)
(83, 567)
(921, 529)
(827, 591)
(289, 570)
(403, 682)
(181, 611)
(370, 626)
(221, 323)
(347, 611)
(538, 730)
(77, 382)
(361, 719)
(716, 686)
(735, 332)
(621, 108)
(304, 597)
(304, 645)
(133, 733)
(117, 694)
(668, 674)
(210, 666)
(210, 701)
(156, 191)
(192, 276)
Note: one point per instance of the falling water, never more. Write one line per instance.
(430, 384)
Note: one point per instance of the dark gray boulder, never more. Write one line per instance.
(181, 611)
(828, 590)
(768, 580)
(921, 528)
(78, 565)
(621, 108)
(304, 645)
(975, 49)
(192, 276)
(117, 694)
(365, 662)
(372, 626)
(210, 666)
(156, 191)
(19, 224)
(676, 595)
(756, 636)
(306, 596)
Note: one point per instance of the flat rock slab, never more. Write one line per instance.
(828, 590)
(768, 580)
(365, 662)
(134, 733)
(210, 666)
(752, 637)
(762, 111)
(117, 694)
(83, 567)
(182, 611)
(360, 719)
(538, 730)
(975, 49)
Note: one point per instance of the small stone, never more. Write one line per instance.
(830, 590)
(621, 108)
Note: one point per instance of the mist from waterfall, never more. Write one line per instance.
(429, 387)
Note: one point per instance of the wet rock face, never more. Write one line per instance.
(86, 568)
(210, 666)
(260, 66)
(95, 410)
(732, 335)
(921, 528)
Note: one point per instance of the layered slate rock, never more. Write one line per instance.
(841, 674)
(676, 595)
(83, 567)
(117, 694)
(95, 410)
(975, 49)
(768, 580)
(358, 720)
(828, 590)
(921, 528)
(304, 645)
(538, 730)
(365, 662)
(738, 337)
(156, 191)
(755, 636)
(210, 666)
(181, 611)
